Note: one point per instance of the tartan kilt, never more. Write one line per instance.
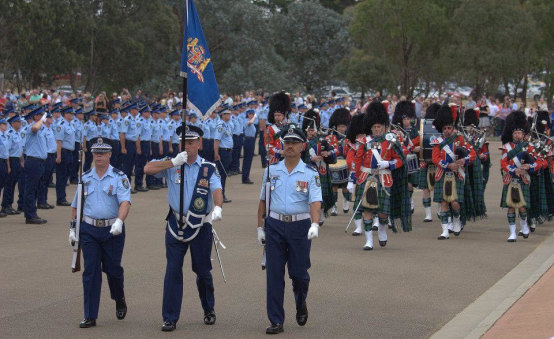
(422, 177)
(549, 190)
(460, 189)
(524, 190)
(384, 199)
(326, 190)
(486, 172)
(414, 178)
(539, 204)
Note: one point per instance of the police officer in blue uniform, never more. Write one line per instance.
(130, 140)
(91, 133)
(145, 133)
(202, 191)
(237, 120)
(5, 144)
(49, 164)
(294, 198)
(223, 146)
(78, 125)
(174, 123)
(249, 144)
(16, 162)
(107, 201)
(156, 146)
(36, 153)
(115, 123)
(65, 139)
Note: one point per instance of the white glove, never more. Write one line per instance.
(313, 231)
(72, 237)
(117, 227)
(180, 159)
(383, 164)
(44, 116)
(350, 187)
(261, 236)
(216, 214)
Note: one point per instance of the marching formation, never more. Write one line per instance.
(376, 156)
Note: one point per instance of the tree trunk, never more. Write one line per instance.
(524, 90)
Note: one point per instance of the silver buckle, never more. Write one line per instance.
(287, 218)
(100, 223)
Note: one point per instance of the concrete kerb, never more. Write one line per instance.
(480, 315)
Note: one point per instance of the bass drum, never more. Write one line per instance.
(427, 132)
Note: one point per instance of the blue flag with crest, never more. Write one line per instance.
(196, 65)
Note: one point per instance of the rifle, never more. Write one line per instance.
(76, 260)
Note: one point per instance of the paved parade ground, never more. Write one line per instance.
(409, 289)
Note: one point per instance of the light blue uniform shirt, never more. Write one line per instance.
(249, 130)
(156, 130)
(213, 126)
(238, 124)
(51, 145)
(66, 134)
(224, 133)
(90, 130)
(205, 125)
(78, 127)
(191, 175)
(114, 131)
(294, 118)
(104, 195)
(165, 130)
(5, 144)
(16, 147)
(105, 130)
(172, 126)
(285, 197)
(130, 128)
(145, 129)
(35, 143)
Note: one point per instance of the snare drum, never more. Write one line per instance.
(339, 172)
(427, 132)
(412, 163)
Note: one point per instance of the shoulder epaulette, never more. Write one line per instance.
(204, 161)
(87, 172)
(312, 167)
(118, 171)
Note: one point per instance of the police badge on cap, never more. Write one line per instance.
(101, 147)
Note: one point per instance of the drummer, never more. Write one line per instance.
(337, 137)
(405, 117)
(426, 177)
(319, 154)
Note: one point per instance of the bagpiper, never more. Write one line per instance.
(374, 163)
(319, 154)
(451, 155)
(518, 161)
(279, 108)
(337, 140)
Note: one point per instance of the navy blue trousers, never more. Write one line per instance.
(49, 166)
(261, 149)
(175, 150)
(116, 154)
(249, 143)
(88, 156)
(286, 244)
(165, 147)
(237, 146)
(3, 175)
(224, 165)
(74, 171)
(32, 172)
(129, 158)
(200, 254)
(62, 174)
(140, 161)
(150, 179)
(13, 178)
(102, 252)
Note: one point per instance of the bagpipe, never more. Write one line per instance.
(541, 142)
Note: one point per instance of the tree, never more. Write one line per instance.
(311, 46)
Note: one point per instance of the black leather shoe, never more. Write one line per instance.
(367, 248)
(225, 200)
(63, 203)
(274, 329)
(382, 243)
(511, 240)
(374, 228)
(209, 317)
(133, 192)
(168, 326)
(50, 206)
(86, 323)
(302, 315)
(141, 189)
(427, 220)
(43, 207)
(36, 221)
(356, 234)
(10, 211)
(153, 188)
(249, 182)
(3, 215)
(120, 309)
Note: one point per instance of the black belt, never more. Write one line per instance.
(226, 149)
(35, 158)
(3, 160)
(51, 154)
(14, 158)
(65, 149)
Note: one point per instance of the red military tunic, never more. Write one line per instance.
(368, 155)
(272, 144)
(445, 156)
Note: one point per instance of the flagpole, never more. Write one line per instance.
(181, 190)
